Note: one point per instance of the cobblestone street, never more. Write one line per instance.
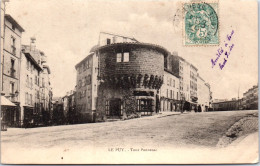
(191, 130)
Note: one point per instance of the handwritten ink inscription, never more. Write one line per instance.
(228, 46)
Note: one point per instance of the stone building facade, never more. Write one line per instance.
(131, 75)
(86, 88)
(250, 98)
(10, 59)
(169, 92)
(35, 86)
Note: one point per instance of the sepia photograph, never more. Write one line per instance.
(129, 82)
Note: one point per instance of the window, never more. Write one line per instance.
(108, 41)
(43, 83)
(171, 94)
(118, 57)
(13, 49)
(12, 70)
(122, 57)
(27, 81)
(79, 83)
(173, 83)
(26, 98)
(12, 87)
(126, 57)
(31, 102)
(31, 83)
(27, 64)
(84, 66)
(107, 107)
(87, 64)
(88, 80)
(83, 82)
(167, 93)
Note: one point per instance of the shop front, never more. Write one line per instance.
(9, 113)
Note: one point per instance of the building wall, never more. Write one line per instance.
(225, 106)
(30, 89)
(203, 94)
(84, 88)
(185, 79)
(134, 82)
(250, 98)
(169, 92)
(95, 82)
(11, 75)
(2, 39)
(141, 61)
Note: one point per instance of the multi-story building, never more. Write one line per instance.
(250, 98)
(10, 72)
(121, 77)
(225, 105)
(169, 92)
(35, 86)
(87, 77)
(87, 84)
(131, 75)
(69, 108)
(188, 81)
(204, 94)
(30, 87)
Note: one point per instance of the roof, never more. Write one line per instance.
(48, 68)
(108, 33)
(193, 67)
(12, 20)
(29, 57)
(224, 101)
(84, 59)
(154, 46)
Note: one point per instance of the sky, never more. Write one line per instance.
(65, 31)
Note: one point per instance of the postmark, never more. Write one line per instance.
(201, 24)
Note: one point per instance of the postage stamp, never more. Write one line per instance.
(200, 24)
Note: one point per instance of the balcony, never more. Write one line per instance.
(13, 50)
(12, 72)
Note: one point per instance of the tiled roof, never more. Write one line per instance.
(155, 46)
(13, 21)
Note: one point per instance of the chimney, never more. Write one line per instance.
(33, 44)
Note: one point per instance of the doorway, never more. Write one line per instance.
(115, 105)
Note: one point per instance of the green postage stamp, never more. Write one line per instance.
(201, 24)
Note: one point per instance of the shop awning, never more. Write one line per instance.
(6, 102)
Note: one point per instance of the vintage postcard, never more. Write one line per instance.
(129, 82)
